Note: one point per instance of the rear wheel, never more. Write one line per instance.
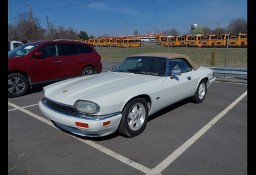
(88, 70)
(18, 85)
(135, 117)
(200, 92)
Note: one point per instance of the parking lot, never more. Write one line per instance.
(184, 138)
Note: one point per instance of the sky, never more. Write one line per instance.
(121, 17)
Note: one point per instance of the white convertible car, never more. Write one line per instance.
(123, 99)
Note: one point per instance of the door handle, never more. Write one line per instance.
(189, 77)
(82, 58)
(57, 61)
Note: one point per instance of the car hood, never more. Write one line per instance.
(94, 87)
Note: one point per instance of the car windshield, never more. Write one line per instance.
(22, 50)
(143, 65)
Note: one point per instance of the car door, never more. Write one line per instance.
(87, 55)
(47, 67)
(71, 60)
(180, 86)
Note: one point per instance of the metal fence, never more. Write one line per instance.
(235, 57)
(228, 63)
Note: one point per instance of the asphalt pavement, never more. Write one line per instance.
(184, 138)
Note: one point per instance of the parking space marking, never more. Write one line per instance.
(88, 142)
(115, 155)
(14, 109)
(38, 117)
(161, 166)
(166, 162)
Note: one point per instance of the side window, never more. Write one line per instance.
(82, 48)
(65, 49)
(48, 50)
(179, 63)
(159, 66)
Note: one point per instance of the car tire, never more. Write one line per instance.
(88, 70)
(18, 85)
(135, 117)
(201, 91)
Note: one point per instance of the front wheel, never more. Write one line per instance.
(18, 85)
(200, 92)
(135, 117)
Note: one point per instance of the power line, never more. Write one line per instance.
(72, 5)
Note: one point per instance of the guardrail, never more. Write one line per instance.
(230, 74)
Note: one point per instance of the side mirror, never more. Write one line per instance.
(114, 67)
(38, 55)
(175, 73)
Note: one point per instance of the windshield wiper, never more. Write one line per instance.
(148, 73)
(130, 70)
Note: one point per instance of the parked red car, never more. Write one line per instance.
(45, 61)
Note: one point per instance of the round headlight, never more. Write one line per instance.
(87, 107)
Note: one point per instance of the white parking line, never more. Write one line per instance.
(165, 163)
(31, 114)
(88, 142)
(23, 107)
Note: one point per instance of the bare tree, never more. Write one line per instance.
(174, 32)
(13, 33)
(29, 27)
(238, 25)
(72, 34)
(218, 31)
(51, 31)
(136, 32)
(62, 33)
(207, 30)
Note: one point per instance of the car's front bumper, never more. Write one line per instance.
(94, 128)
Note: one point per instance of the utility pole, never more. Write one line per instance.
(168, 29)
(48, 27)
(218, 24)
(125, 28)
(126, 38)
(31, 21)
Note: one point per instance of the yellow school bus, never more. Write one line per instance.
(237, 40)
(208, 40)
(128, 42)
(164, 40)
(242, 39)
(174, 41)
(183, 40)
(90, 41)
(194, 40)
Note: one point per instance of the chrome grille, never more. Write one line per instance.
(60, 107)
